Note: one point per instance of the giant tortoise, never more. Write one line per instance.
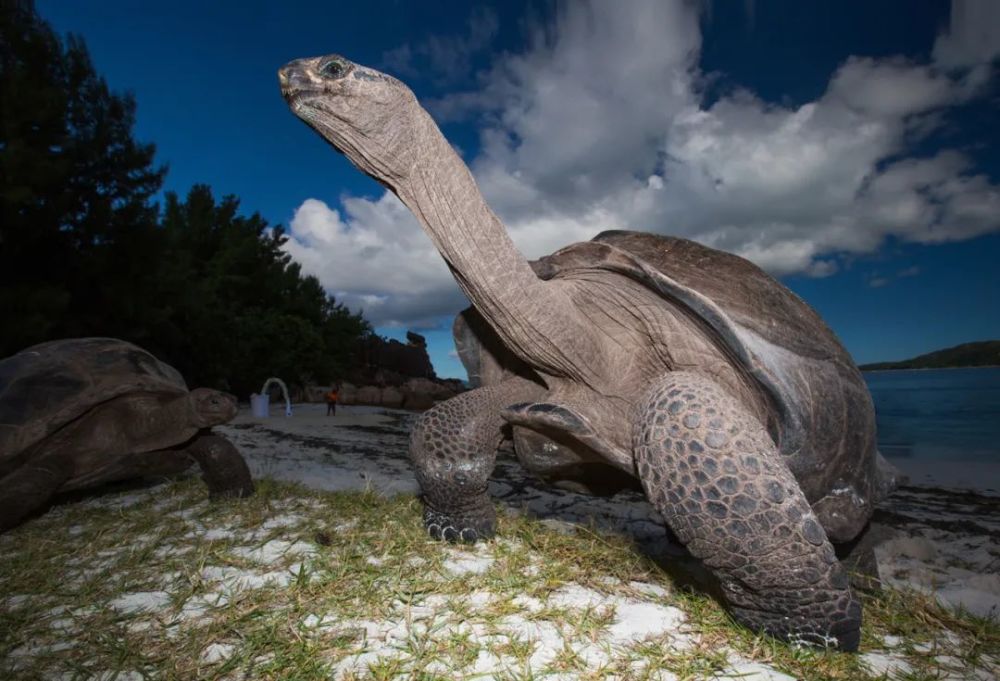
(742, 416)
(82, 412)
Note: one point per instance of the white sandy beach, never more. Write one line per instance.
(941, 528)
(938, 541)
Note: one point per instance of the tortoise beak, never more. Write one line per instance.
(296, 78)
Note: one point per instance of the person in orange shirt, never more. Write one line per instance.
(331, 402)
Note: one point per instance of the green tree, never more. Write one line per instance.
(75, 188)
(84, 251)
(241, 310)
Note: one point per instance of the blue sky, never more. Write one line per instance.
(848, 147)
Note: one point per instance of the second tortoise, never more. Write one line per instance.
(82, 412)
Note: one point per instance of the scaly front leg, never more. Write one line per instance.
(712, 470)
(453, 447)
(223, 468)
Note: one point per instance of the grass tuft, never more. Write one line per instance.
(295, 583)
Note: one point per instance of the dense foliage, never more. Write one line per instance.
(978, 354)
(84, 251)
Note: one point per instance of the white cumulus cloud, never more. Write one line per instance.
(601, 123)
(973, 37)
(374, 258)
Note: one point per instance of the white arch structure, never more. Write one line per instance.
(284, 391)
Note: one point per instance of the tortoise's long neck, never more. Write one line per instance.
(535, 318)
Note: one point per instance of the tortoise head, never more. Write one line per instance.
(369, 116)
(211, 407)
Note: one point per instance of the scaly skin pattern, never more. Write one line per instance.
(714, 474)
(223, 468)
(453, 449)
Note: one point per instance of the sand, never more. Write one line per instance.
(939, 531)
(941, 541)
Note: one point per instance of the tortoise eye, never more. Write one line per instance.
(334, 68)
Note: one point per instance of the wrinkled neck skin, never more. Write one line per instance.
(536, 319)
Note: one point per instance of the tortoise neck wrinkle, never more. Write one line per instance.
(532, 316)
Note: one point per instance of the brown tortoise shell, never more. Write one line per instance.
(44, 387)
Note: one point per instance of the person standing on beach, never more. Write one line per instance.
(331, 402)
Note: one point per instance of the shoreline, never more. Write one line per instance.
(979, 477)
(976, 366)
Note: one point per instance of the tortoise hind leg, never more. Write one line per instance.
(715, 475)
(28, 488)
(223, 468)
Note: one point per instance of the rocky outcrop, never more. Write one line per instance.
(393, 375)
(390, 358)
(392, 397)
(368, 394)
(417, 394)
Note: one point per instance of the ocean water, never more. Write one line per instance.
(938, 414)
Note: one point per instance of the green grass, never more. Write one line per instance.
(369, 573)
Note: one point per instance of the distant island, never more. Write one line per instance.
(978, 354)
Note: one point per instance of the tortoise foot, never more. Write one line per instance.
(222, 467)
(835, 624)
(466, 528)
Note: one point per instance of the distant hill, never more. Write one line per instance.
(978, 354)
